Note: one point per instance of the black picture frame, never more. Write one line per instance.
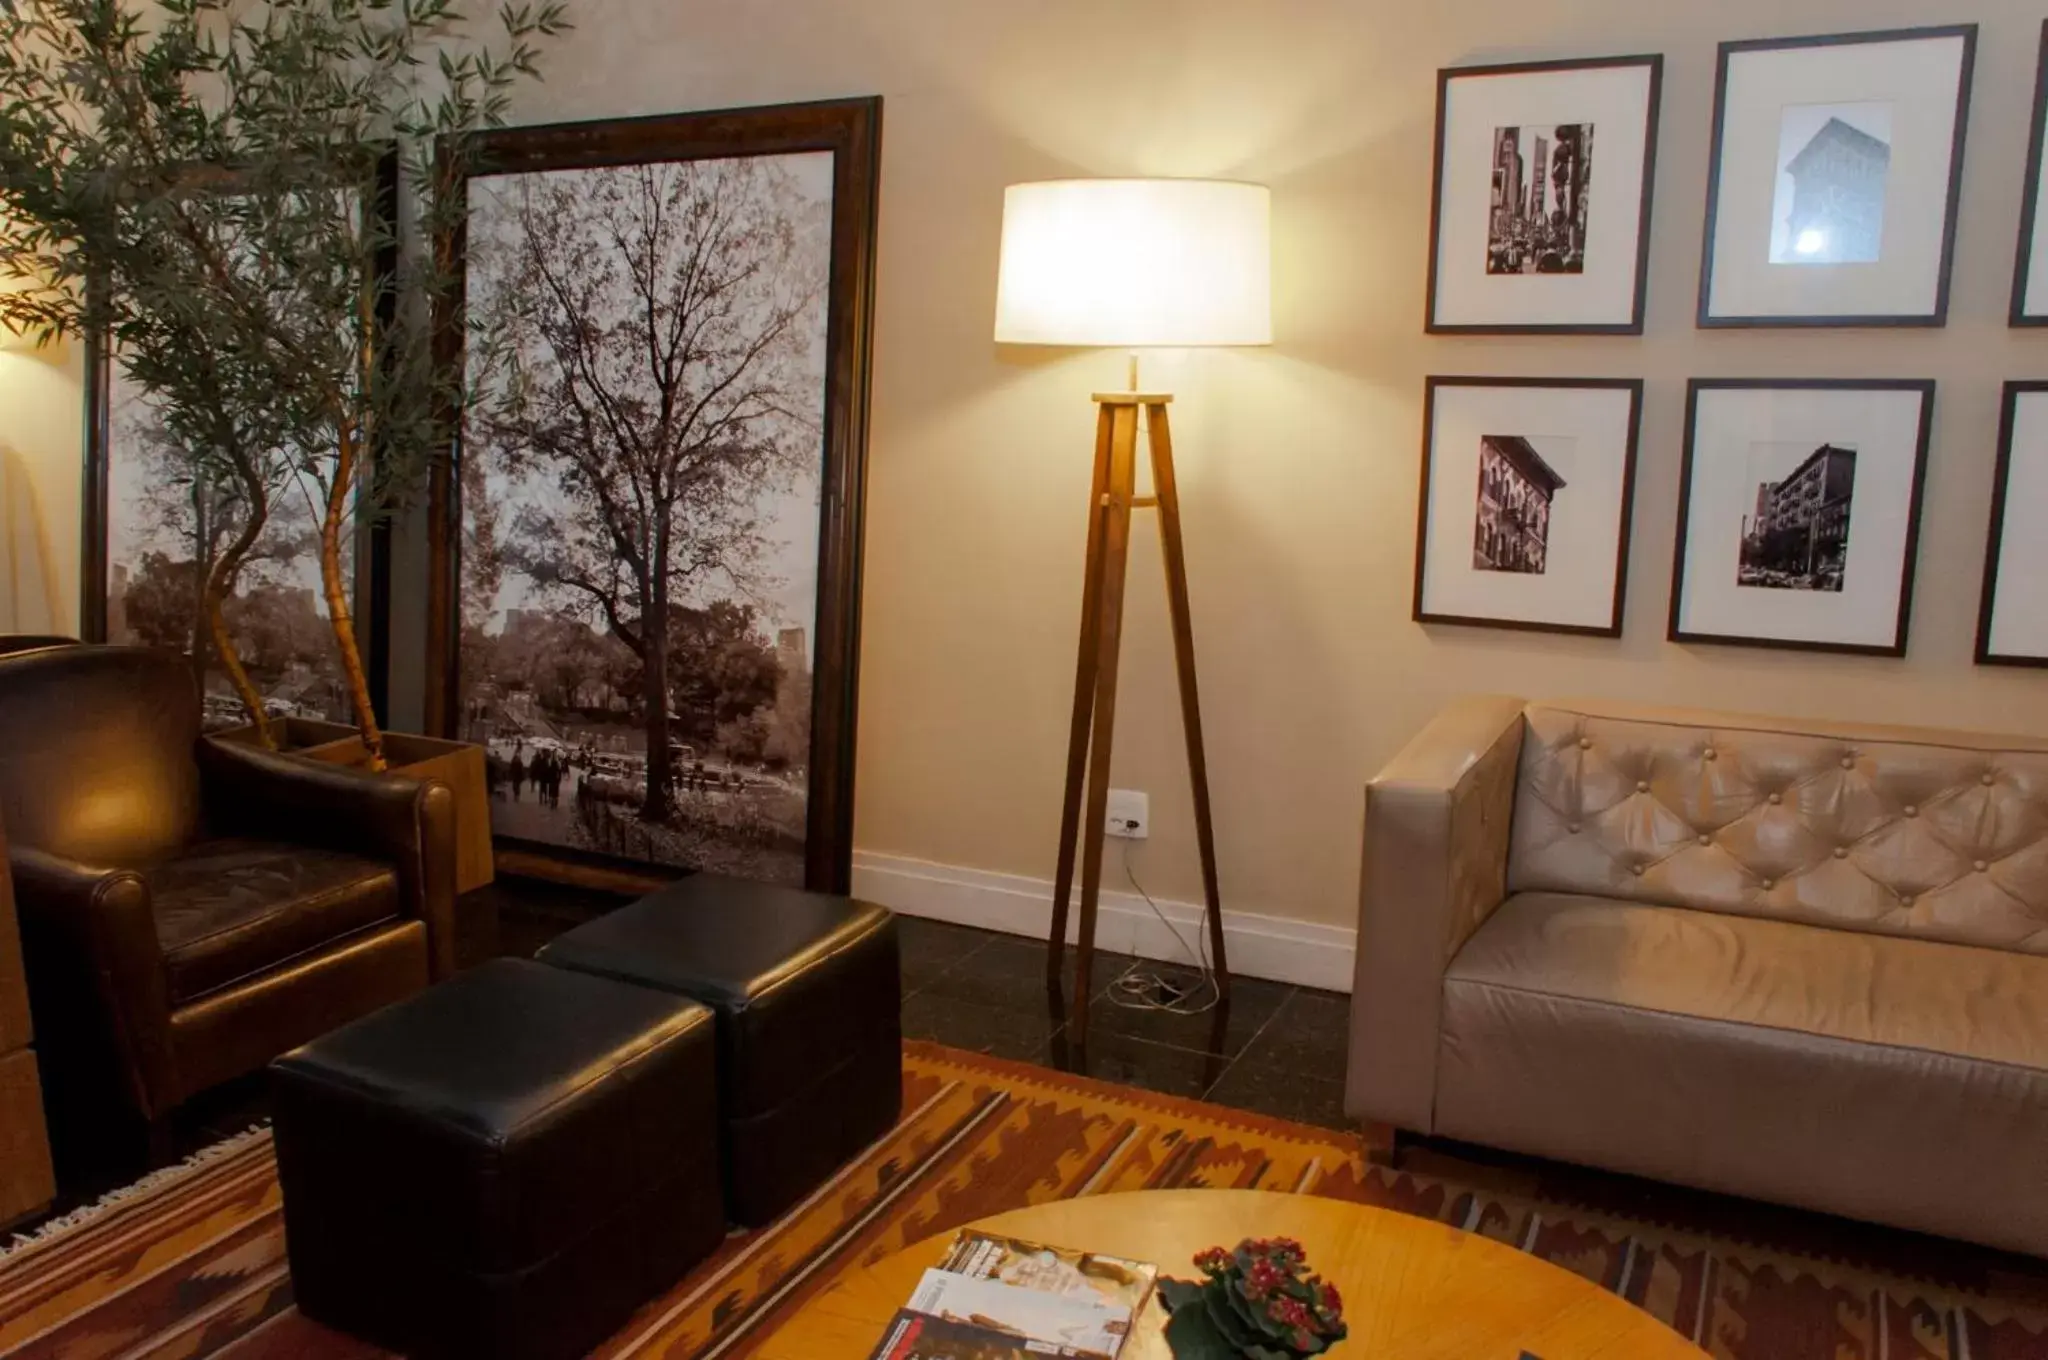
(1613, 628)
(2023, 254)
(372, 587)
(850, 129)
(1902, 625)
(1706, 318)
(1654, 62)
(1994, 538)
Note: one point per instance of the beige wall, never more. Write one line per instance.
(41, 453)
(1299, 462)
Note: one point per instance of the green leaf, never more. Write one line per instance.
(1191, 1337)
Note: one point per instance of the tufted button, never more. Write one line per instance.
(1573, 828)
(1841, 852)
(1848, 762)
(1705, 839)
(1987, 778)
(1585, 743)
(1642, 786)
(1777, 798)
(1980, 866)
(1911, 811)
(1768, 883)
(1636, 869)
(1708, 754)
(1905, 899)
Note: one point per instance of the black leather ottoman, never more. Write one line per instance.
(505, 1165)
(810, 1031)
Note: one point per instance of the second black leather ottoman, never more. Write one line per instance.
(809, 1001)
(505, 1165)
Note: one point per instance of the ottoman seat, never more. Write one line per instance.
(808, 994)
(505, 1165)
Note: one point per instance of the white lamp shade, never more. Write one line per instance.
(1135, 262)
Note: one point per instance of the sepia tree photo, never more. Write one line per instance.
(640, 484)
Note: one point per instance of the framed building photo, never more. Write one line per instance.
(2012, 622)
(1540, 211)
(1524, 514)
(1799, 512)
(1832, 186)
(2030, 268)
(649, 545)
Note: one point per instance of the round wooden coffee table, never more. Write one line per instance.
(1412, 1288)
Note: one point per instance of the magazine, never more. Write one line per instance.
(1088, 1323)
(918, 1336)
(1051, 1270)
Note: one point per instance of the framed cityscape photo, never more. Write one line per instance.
(2012, 621)
(648, 541)
(1540, 209)
(1799, 512)
(2030, 268)
(1524, 513)
(1832, 186)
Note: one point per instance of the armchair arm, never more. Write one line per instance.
(94, 960)
(1435, 866)
(409, 822)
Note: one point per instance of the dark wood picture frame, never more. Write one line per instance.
(372, 540)
(1706, 318)
(850, 129)
(1612, 629)
(1994, 539)
(2023, 255)
(1634, 325)
(1897, 647)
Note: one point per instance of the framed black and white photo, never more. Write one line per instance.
(648, 551)
(1540, 211)
(2012, 620)
(1832, 186)
(2030, 269)
(1524, 513)
(1799, 512)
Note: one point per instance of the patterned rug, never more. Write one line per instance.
(194, 1265)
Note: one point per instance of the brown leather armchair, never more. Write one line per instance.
(192, 908)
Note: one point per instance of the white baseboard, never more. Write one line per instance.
(1260, 946)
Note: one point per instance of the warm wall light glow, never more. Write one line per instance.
(10, 338)
(1131, 262)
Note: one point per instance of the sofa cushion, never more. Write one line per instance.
(1884, 1078)
(1935, 835)
(227, 909)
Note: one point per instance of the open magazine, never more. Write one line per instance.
(999, 1298)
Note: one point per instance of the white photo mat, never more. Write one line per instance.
(1733, 427)
(1921, 85)
(1619, 101)
(2030, 284)
(2015, 621)
(1586, 434)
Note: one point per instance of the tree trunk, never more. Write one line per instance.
(338, 615)
(658, 806)
(220, 581)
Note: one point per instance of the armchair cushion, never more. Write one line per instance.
(227, 909)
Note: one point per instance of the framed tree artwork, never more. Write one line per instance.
(2012, 620)
(1799, 512)
(1836, 168)
(1524, 514)
(1540, 206)
(2030, 269)
(648, 546)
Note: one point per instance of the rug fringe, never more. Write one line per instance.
(156, 1180)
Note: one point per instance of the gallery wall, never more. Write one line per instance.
(1298, 464)
(41, 445)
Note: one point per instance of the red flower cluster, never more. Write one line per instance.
(1269, 1274)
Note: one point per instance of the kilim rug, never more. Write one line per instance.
(196, 1266)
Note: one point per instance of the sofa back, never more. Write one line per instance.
(1899, 831)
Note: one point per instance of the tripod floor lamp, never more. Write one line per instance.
(1130, 264)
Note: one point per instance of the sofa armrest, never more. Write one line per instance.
(93, 956)
(407, 822)
(1435, 866)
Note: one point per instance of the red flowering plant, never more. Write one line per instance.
(1256, 1302)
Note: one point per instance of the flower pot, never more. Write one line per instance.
(458, 764)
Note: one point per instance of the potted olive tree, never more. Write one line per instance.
(213, 187)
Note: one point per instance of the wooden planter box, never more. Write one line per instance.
(458, 764)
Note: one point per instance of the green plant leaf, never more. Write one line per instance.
(1191, 1337)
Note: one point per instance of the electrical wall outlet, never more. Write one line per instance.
(1130, 814)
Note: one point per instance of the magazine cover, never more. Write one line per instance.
(1051, 1270)
(917, 1336)
(1089, 1323)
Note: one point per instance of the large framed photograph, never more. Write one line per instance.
(2030, 268)
(2012, 619)
(162, 517)
(1799, 516)
(649, 540)
(1524, 514)
(1832, 187)
(1540, 211)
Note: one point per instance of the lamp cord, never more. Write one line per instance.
(1139, 988)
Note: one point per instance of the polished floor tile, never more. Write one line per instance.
(1133, 1062)
(1310, 1033)
(1225, 1029)
(929, 948)
(1007, 972)
(1253, 1085)
(1002, 1033)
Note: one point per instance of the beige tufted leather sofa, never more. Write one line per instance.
(1801, 961)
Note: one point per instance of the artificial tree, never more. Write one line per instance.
(197, 182)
